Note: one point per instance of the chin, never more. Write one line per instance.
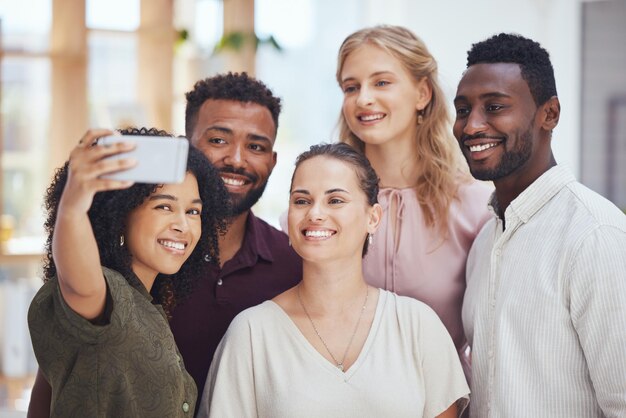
(482, 175)
(171, 270)
(318, 256)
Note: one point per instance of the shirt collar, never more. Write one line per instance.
(134, 281)
(536, 195)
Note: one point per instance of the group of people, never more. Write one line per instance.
(178, 300)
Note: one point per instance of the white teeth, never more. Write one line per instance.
(476, 148)
(233, 182)
(318, 234)
(172, 244)
(368, 118)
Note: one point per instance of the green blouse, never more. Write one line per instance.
(127, 366)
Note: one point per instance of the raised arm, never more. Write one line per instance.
(74, 247)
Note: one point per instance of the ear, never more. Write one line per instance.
(424, 93)
(550, 113)
(375, 215)
(274, 160)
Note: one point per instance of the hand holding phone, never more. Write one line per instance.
(160, 159)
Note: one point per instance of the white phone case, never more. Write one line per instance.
(160, 159)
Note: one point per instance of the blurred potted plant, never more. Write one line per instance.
(235, 40)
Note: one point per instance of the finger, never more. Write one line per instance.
(88, 155)
(110, 166)
(92, 135)
(110, 184)
(112, 148)
(83, 171)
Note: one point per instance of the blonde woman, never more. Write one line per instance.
(394, 111)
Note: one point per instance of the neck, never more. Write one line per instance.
(329, 288)
(147, 281)
(395, 163)
(232, 240)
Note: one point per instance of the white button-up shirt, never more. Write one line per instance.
(545, 305)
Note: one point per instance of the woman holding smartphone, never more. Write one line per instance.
(101, 341)
(335, 346)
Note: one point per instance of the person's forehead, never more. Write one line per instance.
(237, 116)
(336, 172)
(493, 77)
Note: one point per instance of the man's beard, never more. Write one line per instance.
(243, 203)
(510, 161)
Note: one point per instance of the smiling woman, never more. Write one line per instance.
(109, 242)
(395, 112)
(334, 346)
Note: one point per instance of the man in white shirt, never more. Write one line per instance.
(545, 305)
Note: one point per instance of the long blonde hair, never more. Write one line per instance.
(437, 150)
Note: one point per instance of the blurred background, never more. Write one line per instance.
(68, 65)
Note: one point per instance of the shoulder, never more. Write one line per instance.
(584, 220)
(594, 208)
(474, 195)
(409, 311)
(51, 319)
(255, 320)
(471, 204)
(49, 290)
(256, 316)
(407, 305)
(472, 189)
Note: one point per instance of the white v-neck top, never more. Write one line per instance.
(265, 367)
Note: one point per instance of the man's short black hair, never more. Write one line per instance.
(238, 87)
(534, 61)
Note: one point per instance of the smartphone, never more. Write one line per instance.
(160, 159)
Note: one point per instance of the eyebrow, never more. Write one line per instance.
(218, 128)
(331, 191)
(170, 197)
(374, 74)
(491, 95)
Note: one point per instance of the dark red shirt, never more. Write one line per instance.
(264, 266)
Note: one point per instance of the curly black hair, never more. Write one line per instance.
(341, 151)
(534, 61)
(238, 87)
(109, 212)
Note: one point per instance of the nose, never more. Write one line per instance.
(365, 97)
(316, 212)
(236, 157)
(475, 123)
(180, 222)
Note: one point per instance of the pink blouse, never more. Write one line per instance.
(416, 262)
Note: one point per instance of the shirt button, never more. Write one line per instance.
(185, 407)
(498, 252)
(219, 282)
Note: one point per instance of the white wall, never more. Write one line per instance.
(304, 75)
(450, 27)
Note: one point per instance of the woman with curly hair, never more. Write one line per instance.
(101, 340)
(394, 111)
